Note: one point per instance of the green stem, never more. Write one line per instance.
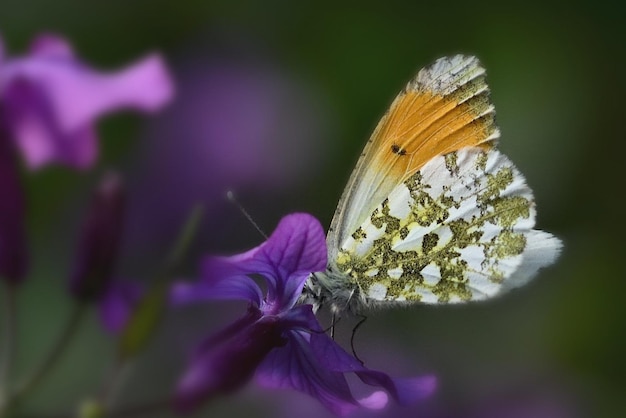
(9, 339)
(146, 316)
(51, 359)
(183, 241)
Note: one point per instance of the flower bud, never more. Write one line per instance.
(99, 240)
(13, 251)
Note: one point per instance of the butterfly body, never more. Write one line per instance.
(432, 213)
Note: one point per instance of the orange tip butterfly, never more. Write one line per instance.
(433, 213)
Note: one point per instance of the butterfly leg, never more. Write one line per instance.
(362, 320)
(331, 328)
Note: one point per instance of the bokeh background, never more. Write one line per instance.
(275, 99)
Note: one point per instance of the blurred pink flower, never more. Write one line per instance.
(51, 100)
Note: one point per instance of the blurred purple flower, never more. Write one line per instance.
(117, 303)
(52, 100)
(99, 240)
(241, 123)
(282, 343)
(13, 251)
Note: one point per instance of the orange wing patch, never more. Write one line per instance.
(444, 108)
(421, 125)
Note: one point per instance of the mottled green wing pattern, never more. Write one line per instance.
(459, 229)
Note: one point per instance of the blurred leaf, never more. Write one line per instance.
(148, 313)
(144, 321)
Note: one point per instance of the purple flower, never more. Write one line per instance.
(241, 123)
(13, 251)
(278, 341)
(99, 240)
(52, 100)
(116, 304)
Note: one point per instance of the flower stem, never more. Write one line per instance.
(9, 340)
(146, 316)
(183, 241)
(53, 355)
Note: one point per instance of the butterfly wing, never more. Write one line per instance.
(432, 212)
(459, 229)
(444, 108)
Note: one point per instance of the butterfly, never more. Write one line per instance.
(433, 213)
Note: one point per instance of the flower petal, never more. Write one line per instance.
(300, 365)
(296, 248)
(237, 287)
(117, 303)
(224, 366)
(295, 366)
(80, 95)
(38, 136)
(377, 400)
(404, 390)
(221, 278)
(54, 100)
(51, 46)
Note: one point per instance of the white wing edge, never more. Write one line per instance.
(542, 249)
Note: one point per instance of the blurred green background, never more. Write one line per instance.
(556, 75)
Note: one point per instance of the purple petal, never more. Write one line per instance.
(301, 318)
(295, 366)
(222, 278)
(80, 95)
(296, 248)
(53, 100)
(217, 269)
(404, 390)
(51, 46)
(237, 287)
(117, 304)
(37, 134)
(224, 367)
(377, 400)
(297, 245)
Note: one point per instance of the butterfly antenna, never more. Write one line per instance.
(231, 197)
(363, 319)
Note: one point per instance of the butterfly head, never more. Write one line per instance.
(333, 290)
